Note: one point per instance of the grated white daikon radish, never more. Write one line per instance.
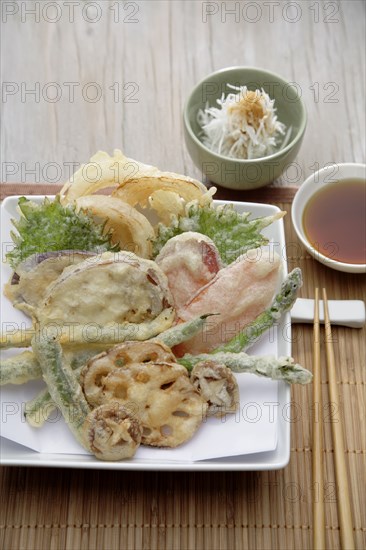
(244, 126)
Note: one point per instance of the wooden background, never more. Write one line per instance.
(142, 59)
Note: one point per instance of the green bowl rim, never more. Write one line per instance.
(288, 147)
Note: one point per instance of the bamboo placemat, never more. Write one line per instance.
(74, 509)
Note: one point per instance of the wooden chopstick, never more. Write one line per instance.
(343, 498)
(318, 473)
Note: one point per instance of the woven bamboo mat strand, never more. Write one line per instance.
(74, 509)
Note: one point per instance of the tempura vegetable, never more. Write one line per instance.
(75, 334)
(27, 287)
(39, 409)
(24, 367)
(62, 383)
(256, 276)
(182, 332)
(41, 406)
(166, 204)
(233, 233)
(111, 288)
(218, 387)
(282, 302)
(51, 226)
(281, 368)
(100, 172)
(129, 229)
(93, 375)
(135, 181)
(109, 299)
(110, 432)
(19, 369)
(189, 261)
(137, 190)
(159, 391)
(160, 394)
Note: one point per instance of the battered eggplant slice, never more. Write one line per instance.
(218, 387)
(28, 286)
(110, 288)
(94, 374)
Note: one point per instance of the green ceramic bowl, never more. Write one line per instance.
(237, 173)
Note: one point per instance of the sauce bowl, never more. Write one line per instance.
(330, 175)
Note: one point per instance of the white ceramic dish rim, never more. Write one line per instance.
(275, 155)
(318, 180)
(13, 454)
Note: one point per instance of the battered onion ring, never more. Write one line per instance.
(138, 190)
(136, 183)
(130, 230)
(100, 172)
(166, 204)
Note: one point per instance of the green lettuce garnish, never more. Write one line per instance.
(50, 226)
(233, 233)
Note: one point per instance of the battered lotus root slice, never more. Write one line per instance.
(218, 387)
(162, 396)
(93, 375)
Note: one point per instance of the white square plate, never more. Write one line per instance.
(273, 454)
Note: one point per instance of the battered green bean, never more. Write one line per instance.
(92, 333)
(19, 369)
(23, 367)
(39, 409)
(283, 368)
(282, 302)
(62, 384)
(182, 332)
(109, 431)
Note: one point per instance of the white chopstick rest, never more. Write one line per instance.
(349, 313)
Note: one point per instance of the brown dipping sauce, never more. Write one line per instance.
(334, 221)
